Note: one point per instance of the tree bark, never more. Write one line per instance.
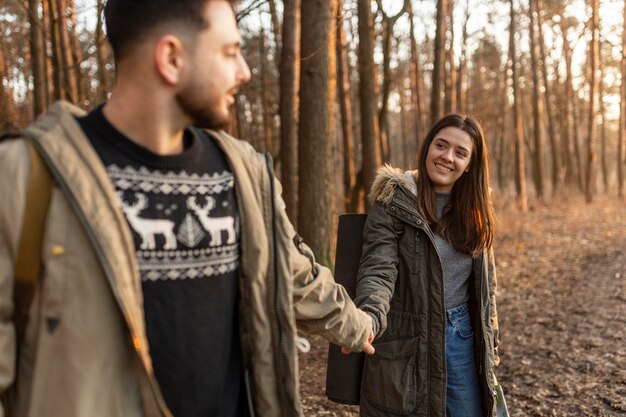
(593, 54)
(288, 106)
(67, 59)
(621, 140)
(417, 84)
(317, 98)
(439, 61)
(57, 55)
(537, 108)
(101, 55)
(556, 168)
(603, 141)
(37, 57)
(518, 130)
(367, 80)
(388, 23)
(461, 91)
(77, 55)
(345, 103)
(266, 102)
(450, 99)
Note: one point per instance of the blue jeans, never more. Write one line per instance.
(463, 395)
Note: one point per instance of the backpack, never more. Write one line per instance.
(28, 260)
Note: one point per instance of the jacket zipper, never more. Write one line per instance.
(99, 252)
(282, 366)
(422, 225)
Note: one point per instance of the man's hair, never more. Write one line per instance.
(128, 21)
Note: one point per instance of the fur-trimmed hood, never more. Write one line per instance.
(388, 179)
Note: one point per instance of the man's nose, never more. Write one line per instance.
(243, 73)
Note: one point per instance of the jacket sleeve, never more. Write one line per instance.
(321, 305)
(493, 312)
(14, 169)
(378, 270)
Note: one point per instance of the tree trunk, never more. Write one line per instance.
(57, 59)
(367, 80)
(266, 101)
(77, 55)
(571, 137)
(621, 140)
(417, 85)
(556, 169)
(71, 87)
(603, 141)
(37, 57)
(450, 102)
(317, 98)
(288, 106)
(345, 103)
(461, 92)
(439, 61)
(101, 55)
(537, 108)
(388, 23)
(518, 132)
(593, 54)
(275, 23)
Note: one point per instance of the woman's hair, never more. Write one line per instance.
(467, 220)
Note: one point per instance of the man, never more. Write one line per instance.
(172, 281)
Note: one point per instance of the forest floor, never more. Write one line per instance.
(562, 313)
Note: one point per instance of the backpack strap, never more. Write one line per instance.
(28, 261)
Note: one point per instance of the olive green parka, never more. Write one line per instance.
(400, 284)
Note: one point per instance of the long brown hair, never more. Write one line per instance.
(467, 221)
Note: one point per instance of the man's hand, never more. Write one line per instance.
(367, 347)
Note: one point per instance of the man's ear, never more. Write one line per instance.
(169, 58)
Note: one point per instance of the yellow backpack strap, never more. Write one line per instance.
(28, 259)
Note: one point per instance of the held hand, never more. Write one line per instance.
(367, 347)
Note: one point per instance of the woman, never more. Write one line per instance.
(427, 279)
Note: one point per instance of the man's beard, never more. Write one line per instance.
(202, 115)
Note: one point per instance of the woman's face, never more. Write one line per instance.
(448, 158)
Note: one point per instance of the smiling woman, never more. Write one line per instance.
(427, 239)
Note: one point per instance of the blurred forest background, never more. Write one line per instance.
(341, 86)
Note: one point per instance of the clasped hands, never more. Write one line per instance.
(367, 346)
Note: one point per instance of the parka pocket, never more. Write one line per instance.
(390, 378)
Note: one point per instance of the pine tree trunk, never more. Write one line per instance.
(288, 105)
(71, 86)
(603, 141)
(461, 92)
(77, 55)
(101, 55)
(593, 54)
(537, 108)
(439, 61)
(518, 132)
(57, 55)
(554, 153)
(268, 131)
(317, 98)
(621, 140)
(367, 80)
(345, 103)
(37, 57)
(450, 102)
(417, 85)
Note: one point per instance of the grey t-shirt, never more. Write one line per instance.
(457, 266)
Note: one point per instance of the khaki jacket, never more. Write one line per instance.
(400, 283)
(85, 351)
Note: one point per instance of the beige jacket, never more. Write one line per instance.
(85, 352)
